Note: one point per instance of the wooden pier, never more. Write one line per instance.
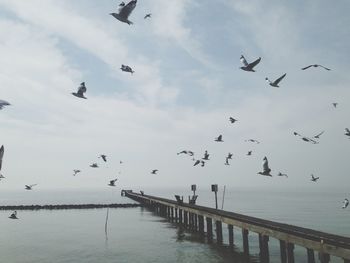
(195, 218)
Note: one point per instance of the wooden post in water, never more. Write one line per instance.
(283, 249)
(230, 235)
(264, 248)
(310, 255)
(323, 257)
(245, 233)
(201, 225)
(209, 229)
(290, 252)
(219, 232)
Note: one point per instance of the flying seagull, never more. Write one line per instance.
(249, 153)
(29, 187)
(219, 139)
(94, 165)
(249, 66)
(275, 83)
(281, 174)
(148, 16)
(199, 162)
(154, 171)
(318, 135)
(335, 104)
(266, 169)
(3, 103)
(13, 215)
(2, 150)
(229, 156)
(112, 182)
(232, 120)
(125, 11)
(345, 203)
(347, 133)
(75, 172)
(252, 140)
(206, 156)
(104, 157)
(81, 91)
(226, 162)
(315, 65)
(126, 68)
(314, 179)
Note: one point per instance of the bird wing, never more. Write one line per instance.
(324, 67)
(32, 185)
(280, 78)
(81, 90)
(307, 67)
(244, 61)
(253, 64)
(266, 167)
(318, 135)
(127, 9)
(220, 137)
(347, 130)
(2, 150)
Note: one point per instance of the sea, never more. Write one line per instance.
(138, 235)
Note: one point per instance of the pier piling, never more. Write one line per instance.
(230, 235)
(245, 233)
(209, 229)
(218, 232)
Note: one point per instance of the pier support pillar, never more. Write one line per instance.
(209, 229)
(172, 213)
(310, 256)
(290, 252)
(201, 225)
(186, 218)
(245, 233)
(176, 216)
(191, 220)
(230, 235)
(346, 260)
(264, 248)
(195, 222)
(323, 257)
(283, 249)
(219, 232)
(180, 216)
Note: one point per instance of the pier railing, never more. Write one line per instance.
(194, 217)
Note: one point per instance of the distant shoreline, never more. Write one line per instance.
(69, 206)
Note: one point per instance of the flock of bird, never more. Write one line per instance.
(124, 11)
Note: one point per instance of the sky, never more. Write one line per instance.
(186, 85)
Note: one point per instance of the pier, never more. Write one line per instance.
(201, 219)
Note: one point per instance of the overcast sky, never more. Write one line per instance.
(186, 85)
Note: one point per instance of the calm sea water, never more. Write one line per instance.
(137, 235)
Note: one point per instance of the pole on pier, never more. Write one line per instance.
(209, 229)
(264, 248)
(230, 235)
(219, 232)
(201, 225)
(323, 257)
(290, 252)
(310, 255)
(245, 233)
(214, 188)
(283, 249)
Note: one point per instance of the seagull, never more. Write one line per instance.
(148, 16)
(249, 66)
(75, 172)
(94, 165)
(347, 133)
(125, 11)
(232, 120)
(104, 157)
(13, 215)
(81, 91)
(199, 162)
(190, 153)
(127, 69)
(2, 150)
(306, 139)
(314, 179)
(229, 156)
(226, 162)
(249, 153)
(296, 134)
(266, 169)
(112, 182)
(315, 65)
(219, 139)
(345, 203)
(275, 83)
(252, 140)
(154, 171)
(335, 104)
(281, 174)
(206, 156)
(3, 103)
(318, 135)
(185, 152)
(29, 187)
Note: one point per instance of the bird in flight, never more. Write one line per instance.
(94, 165)
(226, 161)
(13, 215)
(345, 203)
(125, 11)
(314, 179)
(3, 103)
(249, 153)
(276, 82)
(266, 169)
(347, 133)
(232, 120)
(81, 91)
(154, 171)
(147, 16)
(307, 139)
(112, 182)
(126, 68)
(75, 172)
(104, 157)
(206, 156)
(315, 66)
(281, 174)
(335, 104)
(29, 187)
(2, 150)
(318, 135)
(190, 153)
(219, 139)
(199, 162)
(249, 66)
(252, 140)
(229, 156)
